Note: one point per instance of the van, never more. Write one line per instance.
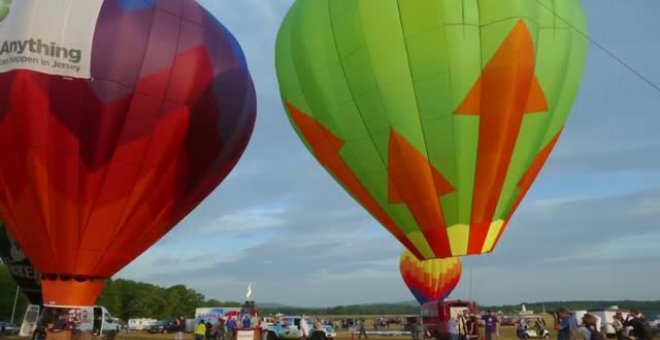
(82, 322)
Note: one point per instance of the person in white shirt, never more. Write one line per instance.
(304, 327)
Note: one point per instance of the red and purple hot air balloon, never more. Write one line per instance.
(117, 118)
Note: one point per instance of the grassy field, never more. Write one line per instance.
(507, 333)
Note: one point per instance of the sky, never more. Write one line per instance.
(588, 229)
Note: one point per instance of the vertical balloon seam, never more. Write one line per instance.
(41, 211)
(140, 166)
(552, 114)
(455, 137)
(162, 171)
(426, 151)
(530, 156)
(350, 87)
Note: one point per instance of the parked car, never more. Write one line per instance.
(509, 321)
(289, 328)
(9, 328)
(166, 326)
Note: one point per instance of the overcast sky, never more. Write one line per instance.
(587, 230)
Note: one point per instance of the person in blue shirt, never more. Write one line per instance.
(231, 329)
(247, 323)
(564, 324)
(492, 325)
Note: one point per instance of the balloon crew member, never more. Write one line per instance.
(452, 328)
(304, 327)
(563, 324)
(362, 329)
(492, 325)
(57, 329)
(219, 328)
(200, 330)
(617, 324)
(231, 328)
(180, 322)
(589, 329)
(462, 322)
(210, 334)
(641, 329)
(521, 330)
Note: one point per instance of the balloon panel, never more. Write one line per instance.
(430, 280)
(436, 116)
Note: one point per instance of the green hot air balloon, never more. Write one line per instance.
(4, 9)
(435, 115)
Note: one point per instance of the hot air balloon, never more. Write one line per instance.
(117, 118)
(436, 116)
(19, 267)
(430, 280)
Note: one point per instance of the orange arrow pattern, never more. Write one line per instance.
(413, 180)
(326, 147)
(505, 92)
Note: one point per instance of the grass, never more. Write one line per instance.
(507, 333)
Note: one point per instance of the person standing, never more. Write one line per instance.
(617, 324)
(492, 325)
(231, 329)
(304, 327)
(521, 331)
(589, 329)
(247, 323)
(219, 328)
(462, 321)
(180, 322)
(641, 329)
(452, 329)
(200, 330)
(563, 324)
(362, 329)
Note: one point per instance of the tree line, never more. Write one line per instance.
(127, 299)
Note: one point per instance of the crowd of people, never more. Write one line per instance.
(466, 326)
(633, 326)
(221, 329)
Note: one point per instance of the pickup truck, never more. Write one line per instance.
(288, 328)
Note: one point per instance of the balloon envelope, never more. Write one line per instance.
(117, 117)
(435, 115)
(430, 280)
(19, 267)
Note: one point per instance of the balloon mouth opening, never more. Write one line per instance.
(70, 290)
(69, 278)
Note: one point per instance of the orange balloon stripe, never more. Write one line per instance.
(506, 90)
(413, 180)
(326, 147)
